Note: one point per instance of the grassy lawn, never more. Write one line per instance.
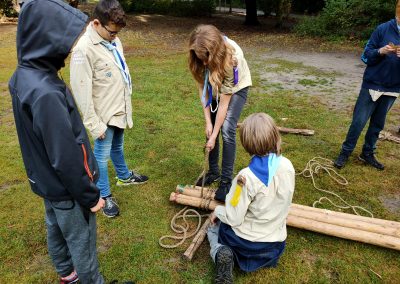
(166, 144)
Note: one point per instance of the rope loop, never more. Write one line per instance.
(320, 165)
(183, 230)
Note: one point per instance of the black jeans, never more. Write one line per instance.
(228, 136)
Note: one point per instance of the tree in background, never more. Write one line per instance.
(281, 8)
(9, 8)
(348, 18)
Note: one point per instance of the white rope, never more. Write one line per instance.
(318, 164)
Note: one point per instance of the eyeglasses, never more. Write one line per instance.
(112, 33)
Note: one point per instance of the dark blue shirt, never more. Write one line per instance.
(383, 71)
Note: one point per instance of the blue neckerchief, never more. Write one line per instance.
(265, 167)
(207, 87)
(118, 58)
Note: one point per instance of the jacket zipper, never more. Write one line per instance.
(85, 163)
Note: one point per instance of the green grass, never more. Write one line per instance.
(166, 144)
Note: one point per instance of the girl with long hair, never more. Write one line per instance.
(223, 78)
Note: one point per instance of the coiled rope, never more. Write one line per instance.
(185, 213)
(319, 164)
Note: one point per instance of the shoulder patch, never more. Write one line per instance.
(241, 180)
(78, 58)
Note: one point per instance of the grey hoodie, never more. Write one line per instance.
(55, 147)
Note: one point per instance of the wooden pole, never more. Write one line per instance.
(343, 222)
(344, 225)
(305, 132)
(344, 232)
(352, 217)
(194, 201)
(189, 190)
(197, 241)
(311, 211)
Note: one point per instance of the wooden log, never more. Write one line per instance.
(189, 190)
(382, 222)
(394, 226)
(385, 135)
(343, 222)
(194, 201)
(197, 241)
(344, 232)
(305, 132)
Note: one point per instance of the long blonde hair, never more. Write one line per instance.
(207, 44)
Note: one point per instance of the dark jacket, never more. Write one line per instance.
(383, 71)
(55, 147)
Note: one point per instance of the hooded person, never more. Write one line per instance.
(56, 150)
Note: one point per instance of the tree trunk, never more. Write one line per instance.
(251, 13)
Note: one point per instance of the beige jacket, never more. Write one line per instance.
(259, 213)
(98, 86)
(228, 86)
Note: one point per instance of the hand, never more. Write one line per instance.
(102, 136)
(210, 143)
(398, 52)
(213, 218)
(386, 49)
(209, 130)
(99, 205)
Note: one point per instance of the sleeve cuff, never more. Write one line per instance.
(220, 212)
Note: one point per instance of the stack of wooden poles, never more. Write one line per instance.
(374, 231)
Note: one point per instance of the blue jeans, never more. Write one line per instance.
(228, 131)
(112, 145)
(365, 109)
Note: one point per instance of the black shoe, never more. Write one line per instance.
(222, 191)
(111, 208)
(224, 265)
(134, 178)
(371, 160)
(208, 179)
(341, 160)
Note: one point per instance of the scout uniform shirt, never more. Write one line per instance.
(257, 212)
(98, 86)
(244, 80)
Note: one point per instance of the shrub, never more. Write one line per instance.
(7, 8)
(348, 18)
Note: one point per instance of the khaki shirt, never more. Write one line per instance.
(98, 86)
(228, 86)
(256, 212)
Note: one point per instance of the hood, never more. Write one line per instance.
(47, 30)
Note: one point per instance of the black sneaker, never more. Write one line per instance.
(222, 191)
(134, 178)
(208, 179)
(371, 160)
(224, 265)
(111, 208)
(341, 160)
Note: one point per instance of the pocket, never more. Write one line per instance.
(63, 205)
(103, 70)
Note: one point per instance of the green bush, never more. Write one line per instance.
(348, 18)
(6, 8)
(170, 7)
